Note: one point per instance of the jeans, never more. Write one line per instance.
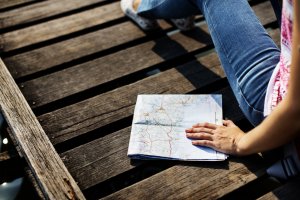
(247, 53)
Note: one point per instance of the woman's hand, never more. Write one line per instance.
(221, 138)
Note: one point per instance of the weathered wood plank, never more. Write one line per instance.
(41, 156)
(99, 160)
(106, 157)
(65, 51)
(59, 27)
(289, 191)
(40, 11)
(41, 91)
(10, 3)
(52, 55)
(101, 110)
(195, 180)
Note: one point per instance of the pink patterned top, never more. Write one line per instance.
(278, 83)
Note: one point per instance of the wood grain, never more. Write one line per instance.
(10, 3)
(40, 11)
(93, 113)
(41, 156)
(56, 54)
(59, 27)
(29, 62)
(102, 70)
(195, 180)
(109, 107)
(106, 157)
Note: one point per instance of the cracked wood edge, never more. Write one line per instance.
(46, 165)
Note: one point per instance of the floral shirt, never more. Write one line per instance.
(278, 84)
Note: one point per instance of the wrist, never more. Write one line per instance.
(242, 146)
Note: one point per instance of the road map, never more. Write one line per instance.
(159, 123)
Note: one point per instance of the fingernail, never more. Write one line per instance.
(188, 130)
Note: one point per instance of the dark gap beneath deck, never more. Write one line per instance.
(14, 177)
(46, 19)
(12, 174)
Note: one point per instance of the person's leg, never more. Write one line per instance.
(167, 9)
(130, 7)
(247, 53)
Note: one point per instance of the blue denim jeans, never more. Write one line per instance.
(246, 51)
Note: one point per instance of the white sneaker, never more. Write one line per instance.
(144, 23)
(184, 24)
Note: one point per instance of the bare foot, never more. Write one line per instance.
(136, 4)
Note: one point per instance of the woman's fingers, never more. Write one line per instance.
(223, 138)
(205, 143)
(205, 125)
(199, 130)
(199, 136)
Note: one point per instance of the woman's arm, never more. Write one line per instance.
(283, 124)
(280, 127)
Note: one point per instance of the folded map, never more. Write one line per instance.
(159, 123)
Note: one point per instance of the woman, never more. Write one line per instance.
(263, 78)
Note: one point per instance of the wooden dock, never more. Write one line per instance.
(80, 65)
